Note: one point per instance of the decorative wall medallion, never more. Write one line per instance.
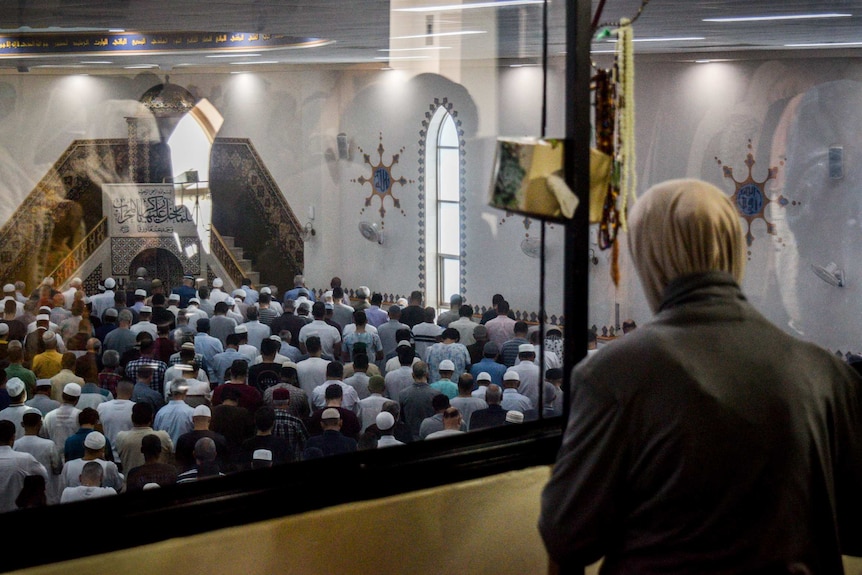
(382, 180)
(751, 199)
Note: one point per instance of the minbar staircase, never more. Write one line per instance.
(239, 257)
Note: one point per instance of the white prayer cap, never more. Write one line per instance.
(385, 420)
(14, 387)
(262, 455)
(94, 440)
(72, 389)
(202, 411)
(511, 375)
(513, 416)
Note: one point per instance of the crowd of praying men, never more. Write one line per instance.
(138, 386)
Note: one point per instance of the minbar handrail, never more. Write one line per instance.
(225, 256)
(80, 253)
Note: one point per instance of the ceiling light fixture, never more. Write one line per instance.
(390, 58)
(470, 6)
(679, 39)
(234, 55)
(258, 63)
(141, 66)
(440, 34)
(667, 39)
(824, 45)
(423, 48)
(778, 17)
(92, 62)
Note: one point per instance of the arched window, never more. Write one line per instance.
(190, 144)
(444, 227)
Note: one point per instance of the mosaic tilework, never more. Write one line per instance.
(123, 251)
(243, 185)
(92, 281)
(423, 149)
(38, 236)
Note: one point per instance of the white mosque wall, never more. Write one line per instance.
(293, 119)
(697, 119)
(693, 120)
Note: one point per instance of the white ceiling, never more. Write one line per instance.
(361, 28)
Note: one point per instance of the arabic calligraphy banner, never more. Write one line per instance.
(145, 210)
(145, 43)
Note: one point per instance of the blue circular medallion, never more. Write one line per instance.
(382, 180)
(749, 200)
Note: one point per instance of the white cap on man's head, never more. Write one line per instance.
(513, 416)
(483, 376)
(385, 420)
(8, 288)
(72, 389)
(446, 365)
(14, 387)
(94, 440)
(511, 375)
(217, 283)
(110, 283)
(262, 455)
(202, 411)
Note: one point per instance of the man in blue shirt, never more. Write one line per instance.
(489, 364)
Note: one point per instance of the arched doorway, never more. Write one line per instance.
(161, 264)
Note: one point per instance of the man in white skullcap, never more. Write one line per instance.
(9, 294)
(217, 294)
(386, 424)
(511, 398)
(15, 412)
(60, 423)
(100, 302)
(94, 450)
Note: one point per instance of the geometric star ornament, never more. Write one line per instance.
(750, 197)
(382, 180)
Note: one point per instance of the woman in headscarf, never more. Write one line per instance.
(707, 440)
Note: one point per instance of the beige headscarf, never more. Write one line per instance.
(682, 227)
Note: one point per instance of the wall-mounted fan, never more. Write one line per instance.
(830, 274)
(532, 247)
(371, 232)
